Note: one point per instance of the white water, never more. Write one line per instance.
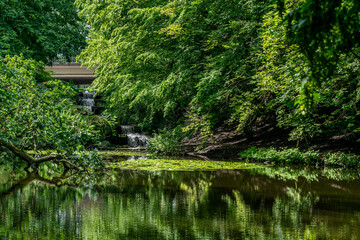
(136, 157)
(135, 140)
(126, 129)
(88, 101)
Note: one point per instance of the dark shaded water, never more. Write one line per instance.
(271, 203)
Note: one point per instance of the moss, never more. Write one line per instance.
(154, 162)
(181, 165)
(125, 153)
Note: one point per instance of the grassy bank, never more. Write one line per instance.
(293, 156)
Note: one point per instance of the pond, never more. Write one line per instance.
(258, 203)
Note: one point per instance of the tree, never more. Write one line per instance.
(164, 63)
(324, 31)
(288, 75)
(41, 29)
(41, 116)
(197, 65)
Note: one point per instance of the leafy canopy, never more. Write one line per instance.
(163, 63)
(197, 65)
(323, 31)
(41, 29)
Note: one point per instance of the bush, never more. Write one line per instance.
(102, 124)
(342, 159)
(285, 156)
(295, 156)
(167, 142)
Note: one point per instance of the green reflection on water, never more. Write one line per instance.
(271, 203)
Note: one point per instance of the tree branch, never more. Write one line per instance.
(355, 54)
(48, 158)
(71, 164)
(29, 159)
(20, 153)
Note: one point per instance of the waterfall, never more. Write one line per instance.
(127, 129)
(134, 140)
(88, 101)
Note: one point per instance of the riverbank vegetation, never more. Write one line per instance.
(201, 65)
(293, 156)
(183, 70)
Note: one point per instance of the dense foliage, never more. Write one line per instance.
(41, 29)
(324, 30)
(162, 63)
(201, 64)
(37, 113)
(286, 74)
(40, 115)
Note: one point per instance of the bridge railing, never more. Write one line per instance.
(61, 59)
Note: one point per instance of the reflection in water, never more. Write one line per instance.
(182, 205)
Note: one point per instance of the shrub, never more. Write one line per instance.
(284, 156)
(342, 159)
(295, 156)
(167, 142)
(103, 124)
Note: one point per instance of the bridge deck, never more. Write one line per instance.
(76, 73)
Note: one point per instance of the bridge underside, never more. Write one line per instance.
(79, 75)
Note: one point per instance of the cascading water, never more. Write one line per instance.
(135, 140)
(127, 129)
(88, 100)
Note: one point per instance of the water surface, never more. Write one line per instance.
(267, 203)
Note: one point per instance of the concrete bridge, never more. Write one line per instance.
(74, 72)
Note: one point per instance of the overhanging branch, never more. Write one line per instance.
(18, 152)
(48, 158)
(26, 157)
